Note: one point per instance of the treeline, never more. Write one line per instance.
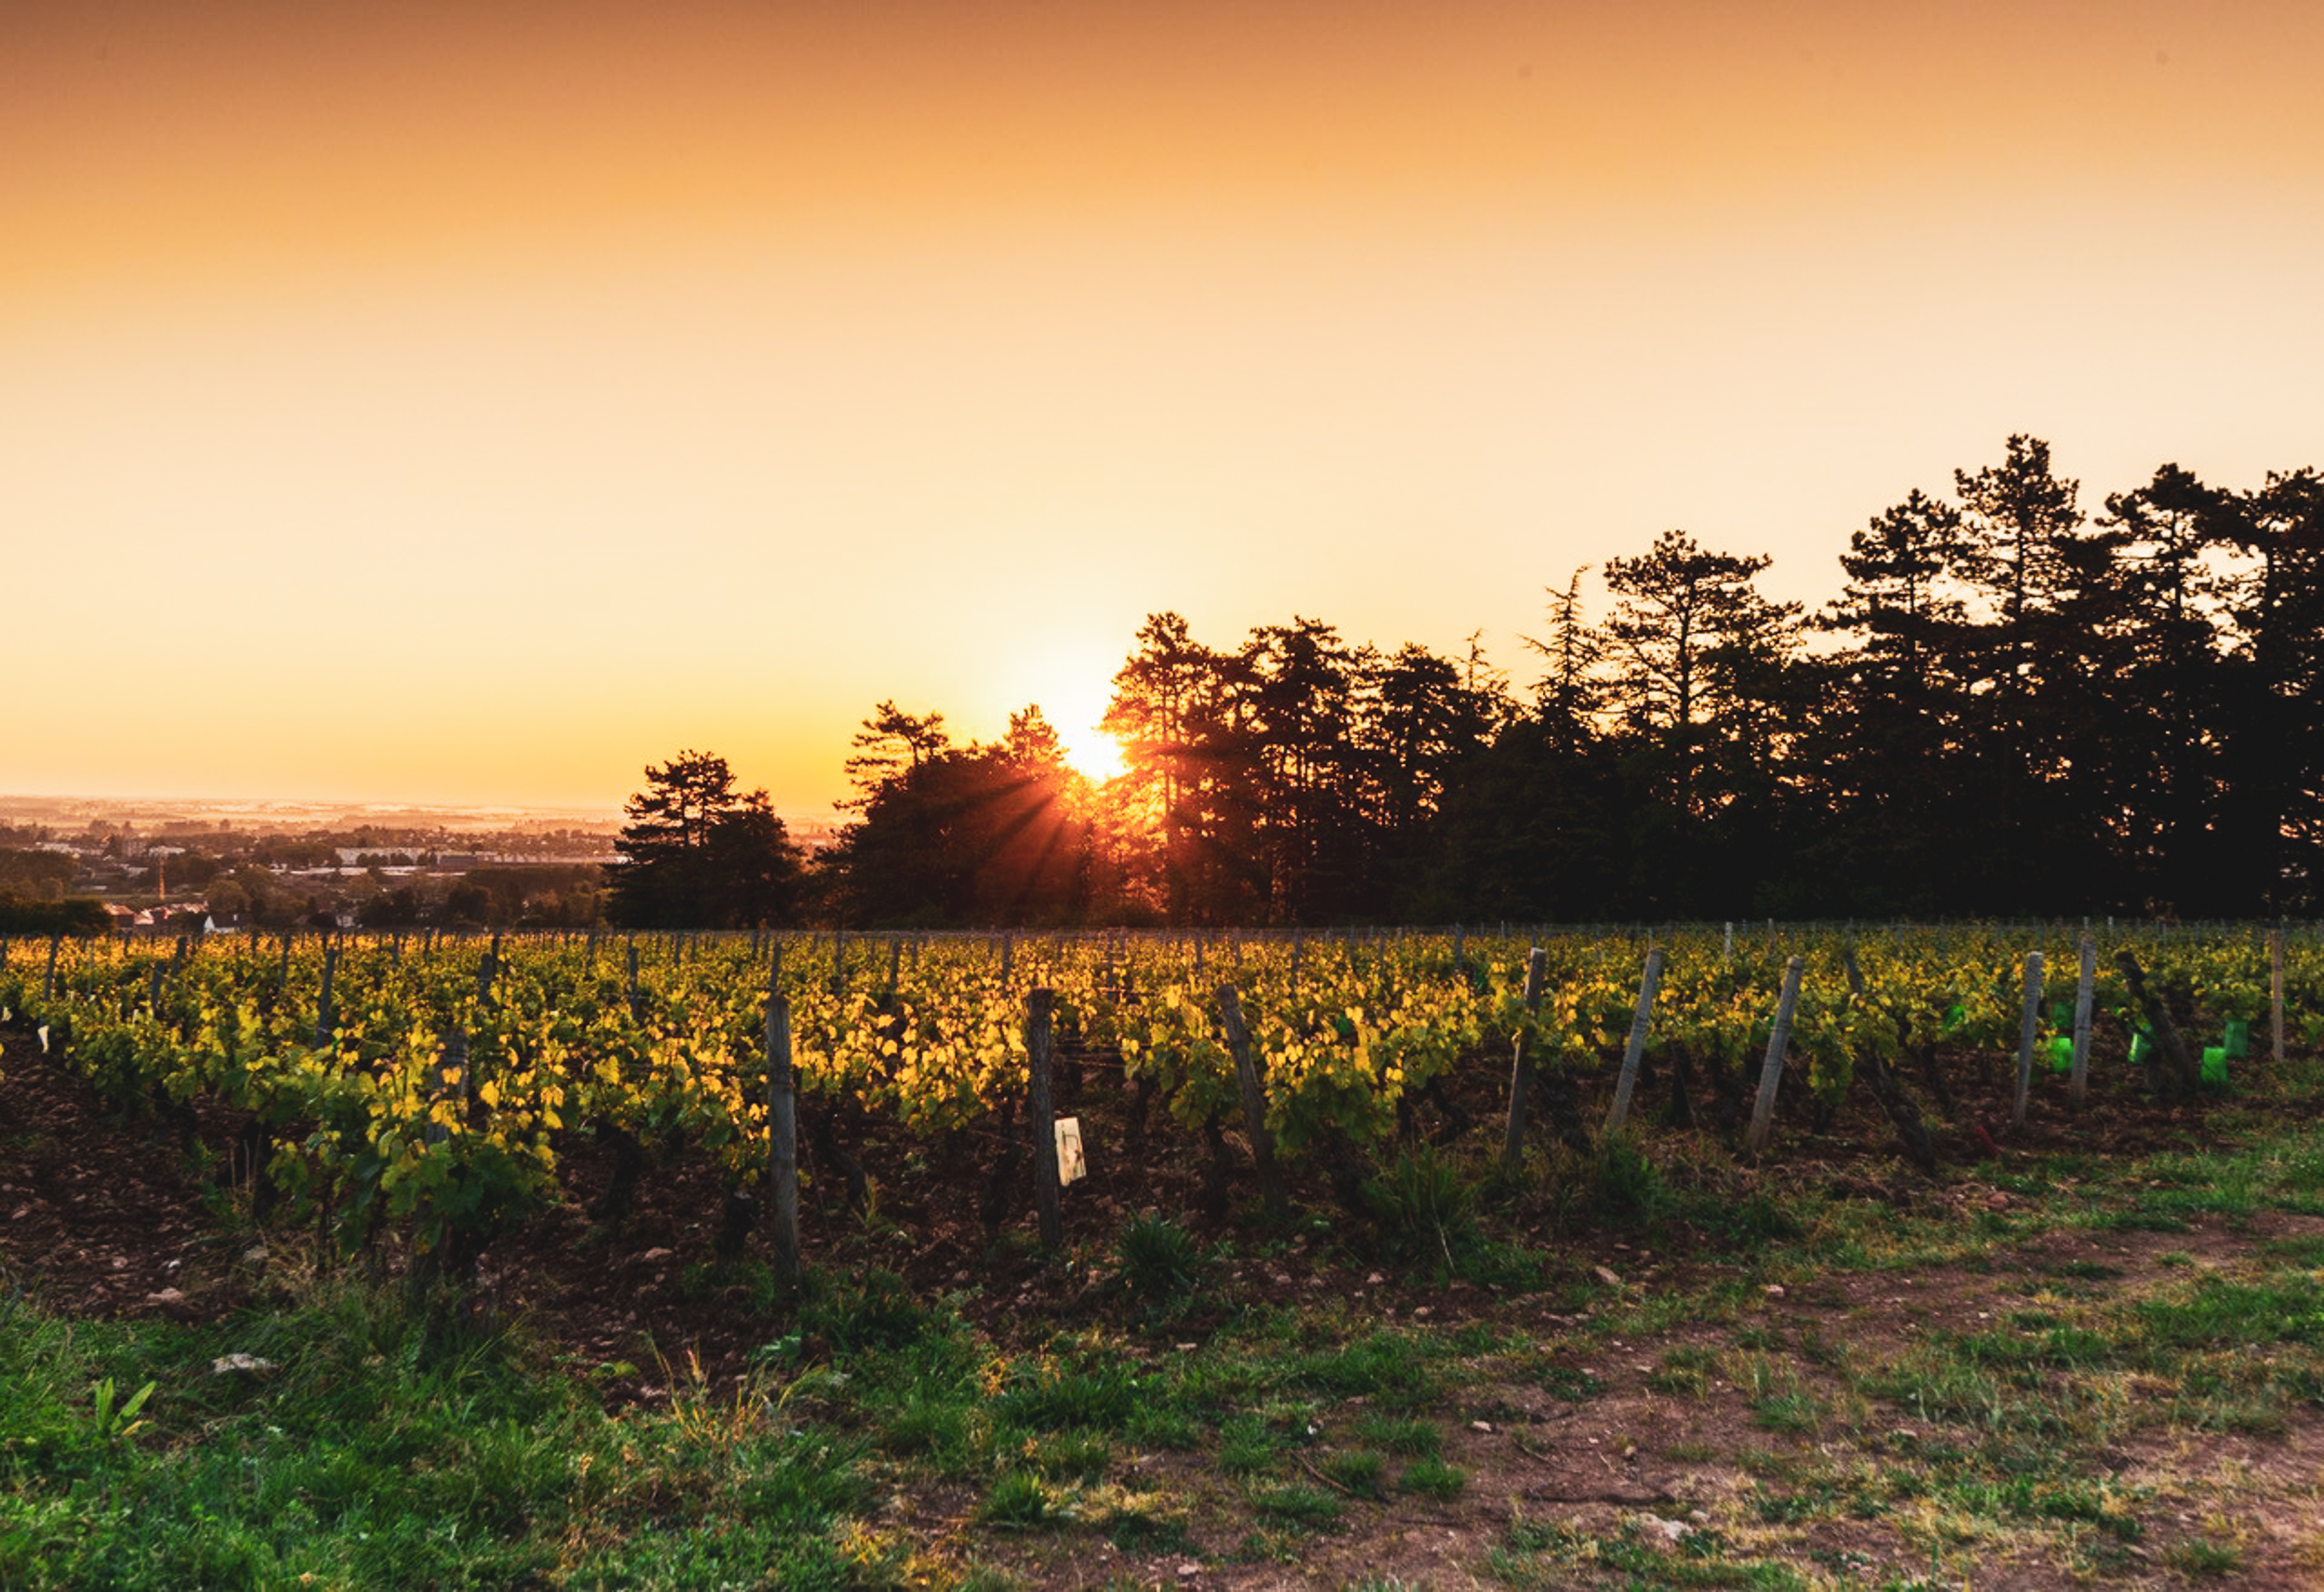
(2012, 707)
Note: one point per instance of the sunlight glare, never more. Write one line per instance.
(1074, 715)
(1092, 754)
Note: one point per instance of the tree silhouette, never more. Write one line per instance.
(973, 836)
(698, 854)
(1696, 650)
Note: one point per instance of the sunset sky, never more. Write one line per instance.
(476, 402)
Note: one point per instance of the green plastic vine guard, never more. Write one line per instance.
(2142, 1046)
(2060, 1054)
(2236, 1040)
(2214, 1064)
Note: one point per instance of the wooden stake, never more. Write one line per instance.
(1636, 1049)
(782, 1127)
(322, 1003)
(1038, 1038)
(2028, 1024)
(1770, 1071)
(1521, 1067)
(2083, 992)
(2275, 995)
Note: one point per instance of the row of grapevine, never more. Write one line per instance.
(432, 1085)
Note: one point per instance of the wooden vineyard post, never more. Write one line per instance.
(1521, 1066)
(2275, 995)
(1039, 1031)
(322, 1003)
(1632, 1053)
(2082, 995)
(2028, 1024)
(1771, 1071)
(1254, 1091)
(782, 1127)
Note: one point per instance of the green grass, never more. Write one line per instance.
(1018, 1502)
(386, 1447)
(1411, 1439)
(391, 1446)
(1362, 1472)
(1429, 1477)
(1685, 1370)
(2197, 1557)
(1298, 1506)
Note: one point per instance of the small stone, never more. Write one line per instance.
(1485, 1427)
(254, 1257)
(1699, 1517)
(249, 1364)
(1374, 1281)
(1606, 1275)
(1187, 1347)
(1422, 1309)
(1774, 1290)
(166, 1296)
(650, 1256)
(1186, 1571)
(1670, 1531)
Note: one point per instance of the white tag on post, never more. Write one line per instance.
(1070, 1164)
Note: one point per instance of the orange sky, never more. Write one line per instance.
(477, 402)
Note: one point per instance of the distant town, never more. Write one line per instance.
(196, 866)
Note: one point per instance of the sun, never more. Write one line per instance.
(1090, 752)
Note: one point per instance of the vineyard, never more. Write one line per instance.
(430, 1093)
(1896, 1257)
